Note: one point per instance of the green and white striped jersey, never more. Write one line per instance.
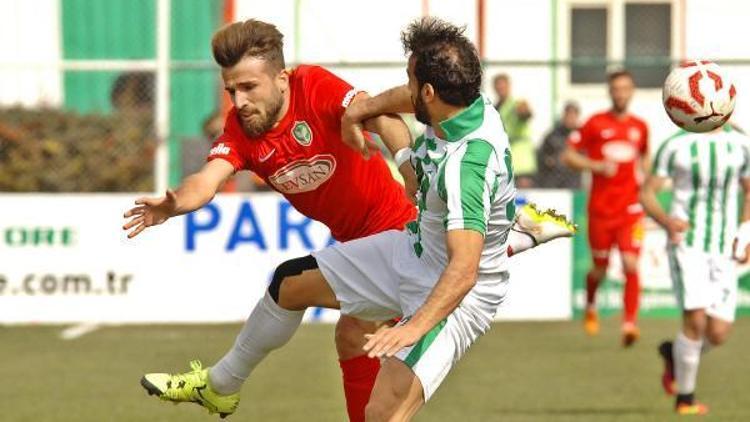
(705, 169)
(465, 182)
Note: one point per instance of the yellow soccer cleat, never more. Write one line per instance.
(542, 226)
(691, 409)
(190, 387)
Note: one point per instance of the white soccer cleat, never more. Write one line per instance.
(542, 226)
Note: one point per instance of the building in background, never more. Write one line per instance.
(68, 53)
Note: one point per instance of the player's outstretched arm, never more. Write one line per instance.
(674, 226)
(580, 162)
(458, 278)
(364, 107)
(388, 125)
(394, 133)
(745, 184)
(394, 100)
(741, 244)
(196, 191)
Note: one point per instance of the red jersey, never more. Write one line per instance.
(305, 159)
(622, 141)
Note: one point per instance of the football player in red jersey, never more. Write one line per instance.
(613, 145)
(286, 126)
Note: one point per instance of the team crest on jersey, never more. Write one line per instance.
(634, 134)
(302, 133)
(304, 175)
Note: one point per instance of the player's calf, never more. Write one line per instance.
(358, 370)
(397, 395)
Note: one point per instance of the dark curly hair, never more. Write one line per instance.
(444, 58)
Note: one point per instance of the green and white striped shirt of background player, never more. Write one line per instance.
(465, 182)
(705, 169)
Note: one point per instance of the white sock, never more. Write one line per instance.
(519, 242)
(686, 355)
(268, 327)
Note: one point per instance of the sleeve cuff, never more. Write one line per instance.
(231, 160)
(471, 224)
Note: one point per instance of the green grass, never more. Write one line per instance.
(518, 372)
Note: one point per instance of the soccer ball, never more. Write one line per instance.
(698, 96)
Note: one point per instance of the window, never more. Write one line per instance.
(637, 33)
(589, 45)
(648, 29)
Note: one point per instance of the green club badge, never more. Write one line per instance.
(302, 133)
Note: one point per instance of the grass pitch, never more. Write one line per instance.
(518, 372)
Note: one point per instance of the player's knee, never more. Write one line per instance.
(598, 271)
(287, 269)
(717, 337)
(630, 266)
(350, 336)
(694, 327)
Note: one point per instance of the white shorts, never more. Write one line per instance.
(379, 278)
(704, 281)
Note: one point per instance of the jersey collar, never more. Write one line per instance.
(465, 122)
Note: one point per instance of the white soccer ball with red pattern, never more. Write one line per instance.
(699, 96)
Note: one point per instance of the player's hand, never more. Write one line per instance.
(352, 133)
(741, 244)
(410, 181)
(150, 212)
(675, 229)
(605, 168)
(387, 341)
(737, 253)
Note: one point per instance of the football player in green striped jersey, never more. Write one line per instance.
(710, 177)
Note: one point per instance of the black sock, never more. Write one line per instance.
(685, 399)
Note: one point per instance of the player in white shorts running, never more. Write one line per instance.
(707, 171)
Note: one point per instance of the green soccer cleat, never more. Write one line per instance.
(190, 387)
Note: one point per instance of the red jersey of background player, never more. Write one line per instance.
(622, 141)
(304, 159)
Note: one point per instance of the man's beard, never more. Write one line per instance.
(420, 111)
(620, 107)
(267, 120)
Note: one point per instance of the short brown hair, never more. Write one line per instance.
(501, 77)
(251, 38)
(620, 73)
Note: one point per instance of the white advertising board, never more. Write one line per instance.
(65, 259)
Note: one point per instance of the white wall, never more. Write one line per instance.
(29, 33)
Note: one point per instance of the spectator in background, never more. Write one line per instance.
(133, 91)
(552, 173)
(516, 116)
